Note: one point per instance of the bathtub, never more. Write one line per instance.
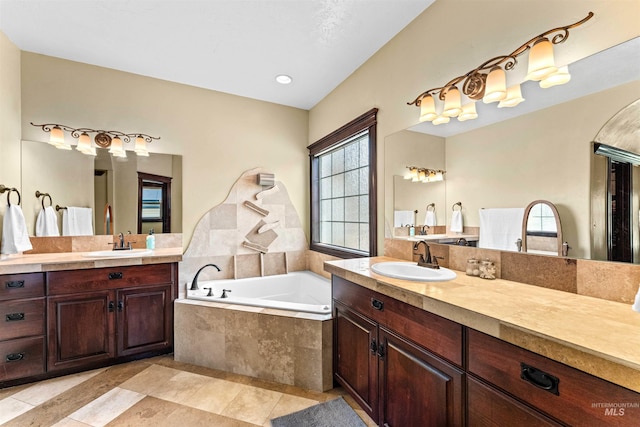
(302, 291)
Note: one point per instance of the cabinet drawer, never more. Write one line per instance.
(432, 332)
(22, 357)
(21, 318)
(74, 281)
(565, 393)
(13, 286)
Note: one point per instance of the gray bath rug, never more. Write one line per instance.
(334, 413)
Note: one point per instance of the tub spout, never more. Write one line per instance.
(194, 283)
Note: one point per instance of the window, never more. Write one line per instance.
(154, 203)
(343, 190)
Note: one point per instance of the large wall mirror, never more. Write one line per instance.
(105, 184)
(541, 152)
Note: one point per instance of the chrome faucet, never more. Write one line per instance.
(119, 245)
(425, 230)
(425, 260)
(194, 283)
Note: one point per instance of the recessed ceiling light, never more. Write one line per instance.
(283, 79)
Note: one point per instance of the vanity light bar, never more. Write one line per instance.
(416, 174)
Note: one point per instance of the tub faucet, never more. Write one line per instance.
(194, 283)
(425, 260)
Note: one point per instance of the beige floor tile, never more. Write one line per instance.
(107, 407)
(42, 391)
(68, 422)
(253, 405)
(181, 387)
(149, 412)
(215, 395)
(153, 378)
(11, 408)
(288, 404)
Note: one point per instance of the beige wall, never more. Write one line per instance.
(9, 118)
(219, 135)
(450, 38)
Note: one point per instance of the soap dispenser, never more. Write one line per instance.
(151, 240)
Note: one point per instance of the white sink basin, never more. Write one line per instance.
(117, 254)
(411, 271)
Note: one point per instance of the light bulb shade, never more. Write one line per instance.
(84, 143)
(439, 176)
(441, 120)
(496, 86)
(407, 174)
(541, 62)
(141, 147)
(468, 112)
(560, 77)
(427, 109)
(56, 136)
(452, 102)
(91, 151)
(422, 175)
(122, 154)
(116, 147)
(514, 97)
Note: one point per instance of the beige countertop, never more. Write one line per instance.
(33, 263)
(594, 335)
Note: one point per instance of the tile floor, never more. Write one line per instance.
(156, 392)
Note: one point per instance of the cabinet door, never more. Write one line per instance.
(81, 329)
(417, 389)
(355, 358)
(145, 319)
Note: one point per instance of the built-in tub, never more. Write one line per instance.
(277, 328)
(302, 291)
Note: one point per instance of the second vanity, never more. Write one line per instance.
(476, 352)
(67, 312)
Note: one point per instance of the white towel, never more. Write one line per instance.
(402, 218)
(456, 222)
(47, 223)
(15, 237)
(500, 228)
(430, 219)
(77, 222)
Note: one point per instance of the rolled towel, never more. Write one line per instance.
(15, 237)
(47, 223)
(430, 219)
(456, 222)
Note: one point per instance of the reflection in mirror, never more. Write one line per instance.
(541, 229)
(77, 180)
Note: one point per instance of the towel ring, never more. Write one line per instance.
(58, 207)
(3, 189)
(43, 195)
(458, 204)
(432, 206)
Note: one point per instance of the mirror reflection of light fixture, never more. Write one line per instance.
(488, 80)
(112, 139)
(416, 174)
(513, 98)
(468, 112)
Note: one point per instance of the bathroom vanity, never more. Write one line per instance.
(476, 352)
(66, 313)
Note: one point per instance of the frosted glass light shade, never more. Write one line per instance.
(56, 136)
(541, 62)
(439, 176)
(496, 86)
(440, 120)
(452, 102)
(560, 77)
(468, 112)
(427, 109)
(514, 97)
(141, 147)
(84, 143)
(116, 147)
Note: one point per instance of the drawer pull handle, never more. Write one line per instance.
(13, 317)
(112, 306)
(14, 357)
(120, 305)
(381, 351)
(377, 304)
(15, 284)
(115, 276)
(539, 378)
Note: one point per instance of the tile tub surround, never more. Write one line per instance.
(219, 234)
(594, 335)
(613, 281)
(275, 345)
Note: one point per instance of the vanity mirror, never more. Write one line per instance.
(544, 154)
(107, 185)
(541, 229)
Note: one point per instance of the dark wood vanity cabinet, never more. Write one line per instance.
(22, 334)
(99, 315)
(382, 357)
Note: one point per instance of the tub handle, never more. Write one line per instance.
(224, 293)
(210, 294)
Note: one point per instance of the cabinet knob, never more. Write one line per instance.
(373, 347)
(377, 304)
(112, 306)
(120, 305)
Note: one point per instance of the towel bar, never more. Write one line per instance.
(58, 207)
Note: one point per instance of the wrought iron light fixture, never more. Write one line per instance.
(416, 174)
(111, 139)
(488, 81)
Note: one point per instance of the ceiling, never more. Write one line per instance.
(232, 46)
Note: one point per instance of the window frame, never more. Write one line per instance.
(366, 121)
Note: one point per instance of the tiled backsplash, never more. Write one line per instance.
(49, 245)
